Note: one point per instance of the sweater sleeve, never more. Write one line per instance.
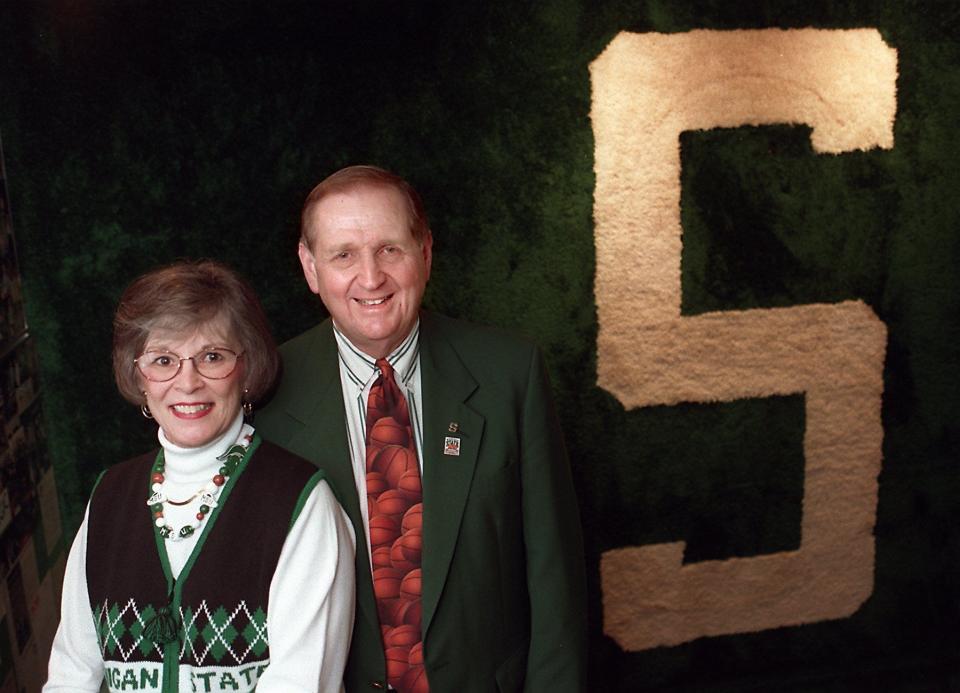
(310, 615)
(76, 663)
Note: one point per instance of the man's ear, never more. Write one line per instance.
(427, 249)
(309, 265)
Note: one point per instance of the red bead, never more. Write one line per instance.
(157, 478)
(159, 513)
(199, 516)
(219, 480)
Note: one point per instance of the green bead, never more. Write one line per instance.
(165, 532)
(224, 470)
(156, 507)
(186, 531)
(204, 509)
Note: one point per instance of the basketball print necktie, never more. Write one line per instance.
(395, 504)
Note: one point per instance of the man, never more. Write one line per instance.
(470, 573)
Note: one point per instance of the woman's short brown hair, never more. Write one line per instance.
(182, 297)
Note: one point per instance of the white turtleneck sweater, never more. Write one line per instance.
(310, 618)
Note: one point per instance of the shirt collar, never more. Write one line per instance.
(361, 368)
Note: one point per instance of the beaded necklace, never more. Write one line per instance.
(163, 626)
(208, 494)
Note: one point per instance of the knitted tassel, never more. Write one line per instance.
(162, 628)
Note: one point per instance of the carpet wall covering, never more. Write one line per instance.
(732, 227)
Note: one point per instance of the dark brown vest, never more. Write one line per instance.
(221, 597)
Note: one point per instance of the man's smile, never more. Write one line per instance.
(372, 301)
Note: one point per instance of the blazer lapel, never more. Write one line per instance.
(446, 385)
(317, 404)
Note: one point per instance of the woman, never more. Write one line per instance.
(221, 562)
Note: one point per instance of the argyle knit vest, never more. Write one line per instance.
(220, 599)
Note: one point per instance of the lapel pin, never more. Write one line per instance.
(453, 427)
(451, 446)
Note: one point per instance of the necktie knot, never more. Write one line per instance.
(386, 398)
(386, 370)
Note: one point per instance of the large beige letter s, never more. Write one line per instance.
(647, 89)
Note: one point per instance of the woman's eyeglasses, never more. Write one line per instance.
(160, 366)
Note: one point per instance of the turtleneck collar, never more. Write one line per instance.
(189, 465)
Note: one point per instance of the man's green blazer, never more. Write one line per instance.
(504, 596)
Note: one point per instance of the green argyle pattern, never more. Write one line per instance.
(120, 631)
(218, 635)
(209, 635)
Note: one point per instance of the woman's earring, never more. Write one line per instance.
(247, 404)
(144, 409)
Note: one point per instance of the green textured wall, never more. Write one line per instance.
(136, 133)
